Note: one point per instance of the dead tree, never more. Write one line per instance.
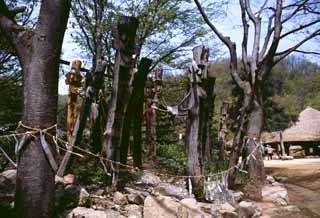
(124, 44)
(223, 130)
(133, 116)
(39, 52)
(256, 67)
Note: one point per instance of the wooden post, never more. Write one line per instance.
(74, 81)
(133, 117)
(207, 108)
(94, 84)
(223, 130)
(152, 100)
(194, 137)
(124, 40)
(283, 151)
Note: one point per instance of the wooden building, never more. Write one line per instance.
(304, 132)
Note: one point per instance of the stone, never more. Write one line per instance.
(237, 196)
(8, 175)
(113, 213)
(72, 195)
(270, 179)
(143, 194)
(226, 207)
(81, 212)
(135, 199)
(252, 190)
(69, 179)
(189, 208)
(281, 211)
(100, 192)
(160, 207)
(148, 178)
(248, 210)
(172, 190)
(281, 179)
(230, 215)
(119, 198)
(134, 211)
(275, 194)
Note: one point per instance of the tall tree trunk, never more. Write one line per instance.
(255, 123)
(238, 139)
(40, 65)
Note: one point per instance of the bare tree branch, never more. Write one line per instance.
(231, 46)
(270, 30)
(276, 36)
(307, 52)
(299, 28)
(245, 36)
(281, 55)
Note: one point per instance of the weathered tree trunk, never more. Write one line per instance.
(124, 43)
(151, 136)
(195, 133)
(223, 130)
(133, 117)
(206, 117)
(255, 123)
(238, 140)
(151, 115)
(39, 53)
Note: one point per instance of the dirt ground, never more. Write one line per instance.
(303, 183)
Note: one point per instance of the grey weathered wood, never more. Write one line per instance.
(124, 39)
(223, 130)
(283, 151)
(197, 127)
(133, 116)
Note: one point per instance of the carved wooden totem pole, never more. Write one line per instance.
(73, 79)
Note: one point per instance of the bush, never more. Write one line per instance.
(172, 157)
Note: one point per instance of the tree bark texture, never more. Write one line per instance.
(223, 131)
(133, 116)
(124, 43)
(39, 54)
(200, 108)
(152, 99)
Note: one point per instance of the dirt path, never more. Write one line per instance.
(303, 183)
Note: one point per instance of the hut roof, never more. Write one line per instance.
(306, 128)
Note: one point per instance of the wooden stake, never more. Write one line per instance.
(74, 81)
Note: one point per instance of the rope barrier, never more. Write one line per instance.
(135, 169)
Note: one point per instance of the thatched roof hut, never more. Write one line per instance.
(305, 129)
